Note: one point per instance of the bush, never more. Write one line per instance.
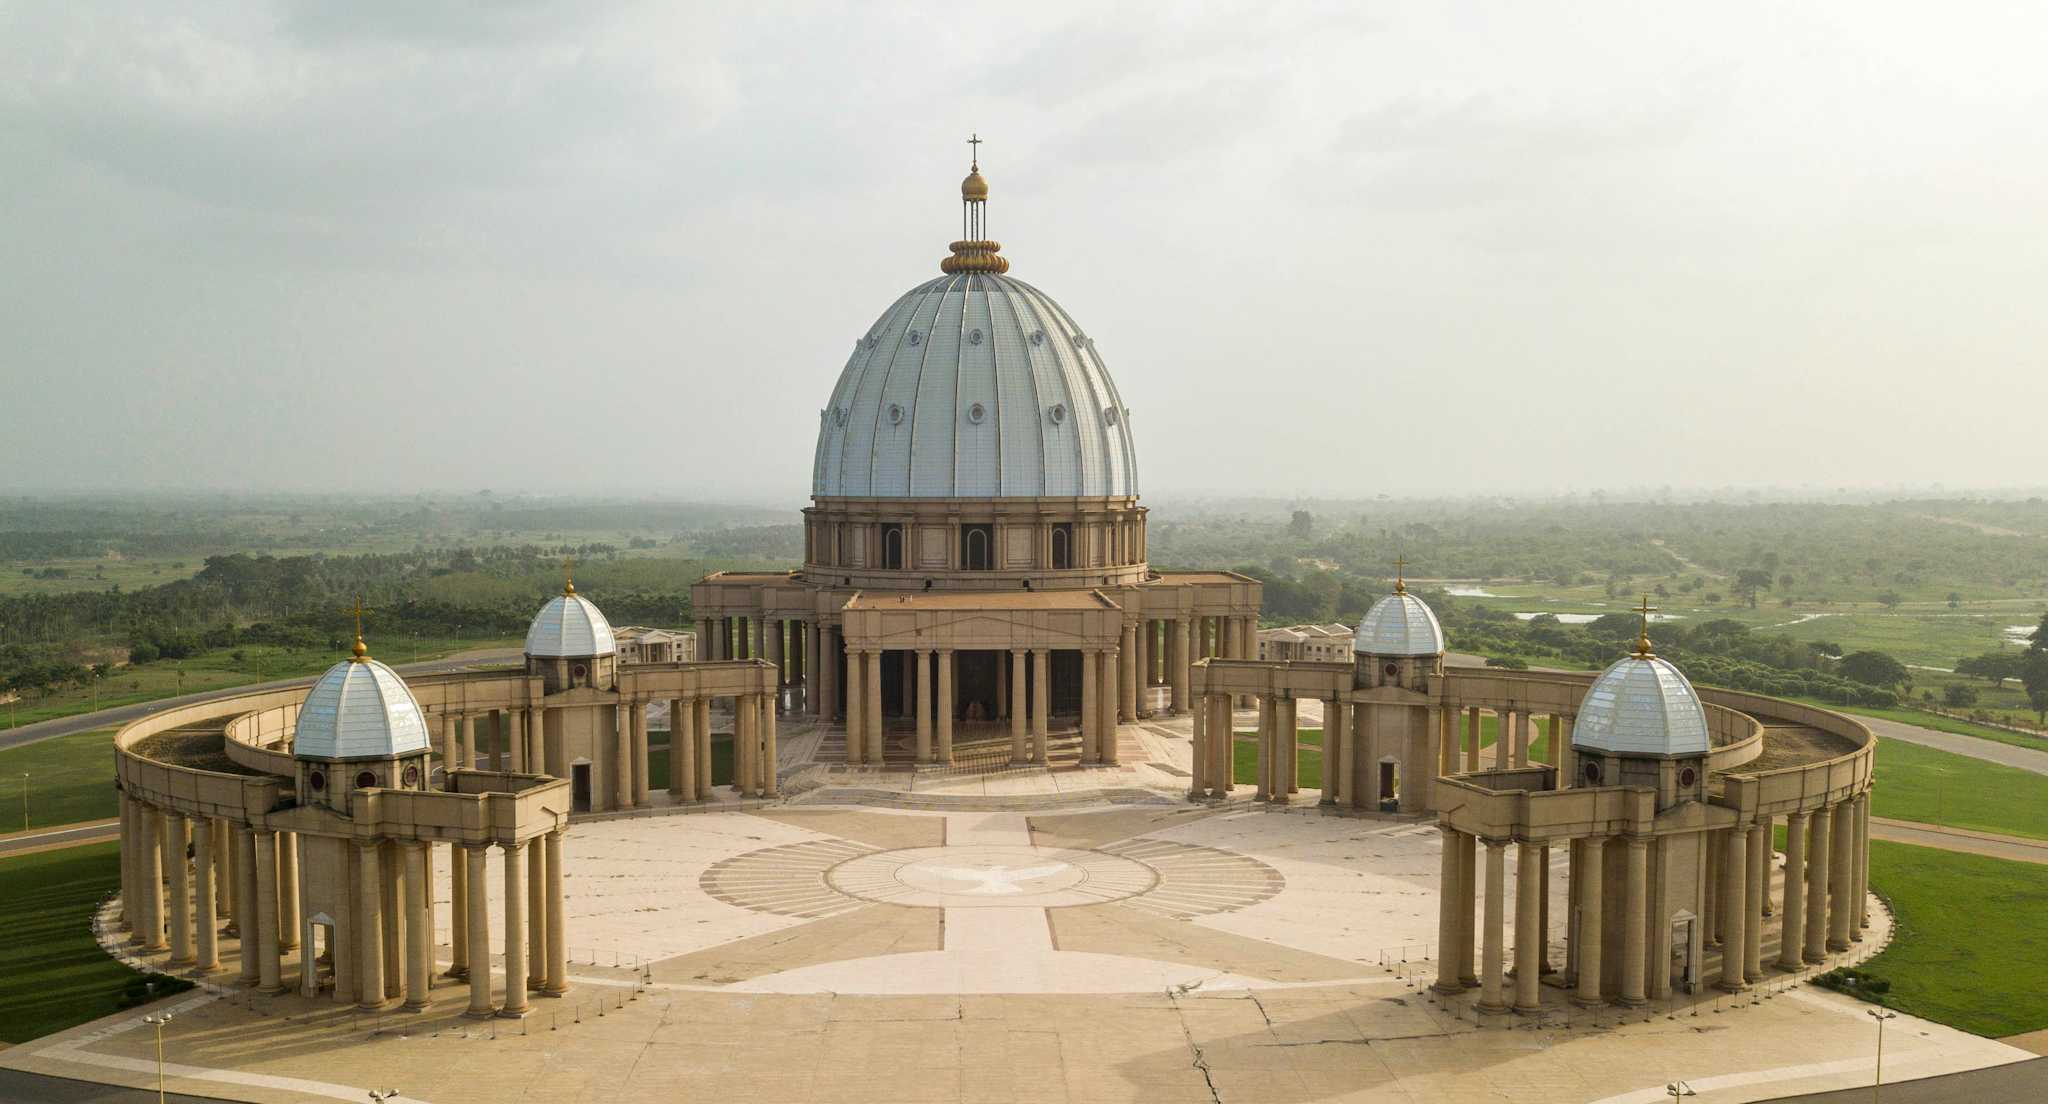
(1960, 697)
(144, 652)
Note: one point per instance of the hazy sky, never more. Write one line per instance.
(1400, 248)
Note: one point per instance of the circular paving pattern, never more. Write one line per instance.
(824, 878)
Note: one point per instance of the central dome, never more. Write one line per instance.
(975, 385)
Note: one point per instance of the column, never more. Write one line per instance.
(1091, 719)
(641, 794)
(705, 651)
(1591, 903)
(369, 926)
(1635, 906)
(288, 890)
(515, 927)
(1110, 665)
(827, 678)
(1472, 726)
(208, 921)
(536, 915)
(129, 898)
(767, 748)
(1567, 762)
(419, 927)
(458, 912)
(1177, 664)
(467, 750)
(515, 735)
(1817, 887)
(946, 707)
(1492, 933)
(1758, 867)
(924, 706)
(682, 750)
(1199, 755)
(700, 727)
(1530, 940)
(558, 938)
(744, 723)
(451, 744)
(245, 904)
(1792, 918)
(478, 922)
(1842, 876)
(622, 756)
(1448, 919)
(1734, 907)
(264, 869)
(1336, 732)
(1041, 704)
(1127, 681)
(1287, 741)
(178, 870)
(872, 702)
(1267, 769)
(856, 713)
(1859, 871)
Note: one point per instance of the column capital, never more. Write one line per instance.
(943, 651)
(478, 848)
(368, 844)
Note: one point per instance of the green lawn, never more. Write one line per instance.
(52, 974)
(1968, 951)
(1245, 752)
(721, 763)
(1940, 787)
(70, 778)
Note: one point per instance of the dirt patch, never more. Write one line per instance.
(1794, 746)
(197, 748)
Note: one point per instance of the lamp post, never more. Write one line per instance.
(377, 1097)
(1880, 1015)
(24, 801)
(1677, 1089)
(158, 1022)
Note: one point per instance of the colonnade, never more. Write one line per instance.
(788, 643)
(1513, 740)
(1824, 909)
(186, 880)
(535, 939)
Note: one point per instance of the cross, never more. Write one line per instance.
(1643, 637)
(569, 574)
(359, 650)
(1400, 583)
(974, 140)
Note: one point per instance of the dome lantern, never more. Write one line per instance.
(1641, 723)
(359, 728)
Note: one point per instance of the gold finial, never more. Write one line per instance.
(361, 651)
(1643, 636)
(974, 252)
(569, 576)
(1400, 582)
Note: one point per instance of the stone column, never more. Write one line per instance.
(681, 750)
(1842, 876)
(458, 912)
(1590, 903)
(1111, 753)
(1758, 867)
(207, 960)
(288, 890)
(826, 680)
(468, 743)
(1335, 736)
(179, 875)
(1448, 918)
(1127, 683)
(1472, 725)
(1734, 907)
(1200, 757)
(1792, 918)
(768, 785)
(1223, 741)
(369, 926)
(1493, 934)
(1859, 871)
(419, 928)
(1178, 664)
(705, 650)
(1267, 771)
(515, 929)
(945, 717)
(1530, 939)
(1818, 854)
(1634, 920)
(264, 869)
(1041, 705)
(1091, 714)
(1567, 760)
(451, 745)
(1468, 888)
(474, 857)
(245, 904)
(621, 764)
(536, 915)
(641, 794)
(1287, 732)
(130, 900)
(771, 629)
(856, 713)
(558, 938)
(872, 702)
(924, 707)
(745, 738)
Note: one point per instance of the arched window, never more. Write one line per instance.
(975, 551)
(1062, 547)
(892, 547)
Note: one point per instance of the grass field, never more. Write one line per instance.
(70, 779)
(52, 974)
(1939, 787)
(219, 669)
(1968, 951)
(721, 763)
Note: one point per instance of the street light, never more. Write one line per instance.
(158, 1022)
(1677, 1089)
(1880, 1015)
(24, 801)
(380, 1097)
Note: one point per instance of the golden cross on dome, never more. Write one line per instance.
(974, 144)
(568, 574)
(361, 651)
(1643, 637)
(1400, 582)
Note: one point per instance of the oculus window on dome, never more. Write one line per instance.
(974, 344)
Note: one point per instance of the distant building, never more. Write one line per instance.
(639, 644)
(1306, 644)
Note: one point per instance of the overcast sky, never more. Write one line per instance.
(1363, 249)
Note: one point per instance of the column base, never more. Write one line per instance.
(384, 1005)
(175, 963)
(1631, 1002)
(1448, 988)
(557, 991)
(1589, 1002)
(1837, 945)
(273, 990)
(1469, 982)
(1814, 958)
(1732, 986)
(1527, 1009)
(1491, 1009)
(414, 1006)
(457, 972)
(203, 971)
(486, 1014)
(515, 1013)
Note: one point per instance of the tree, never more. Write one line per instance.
(1750, 580)
(1992, 667)
(1302, 525)
(1959, 696)
(1873, 669)
(2034, 676)
(2040, 637)
(1890, 599)
(1954, 599)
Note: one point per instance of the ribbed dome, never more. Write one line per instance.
(570, 627)
(1642, 706)
(1399, 625)
(975, 385)
(360, 709)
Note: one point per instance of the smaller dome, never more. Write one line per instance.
(1642, 706)
(570, 627)
(360, 709)
(974, 187)
(1399, 625)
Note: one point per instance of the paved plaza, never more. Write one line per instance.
(1150, 951)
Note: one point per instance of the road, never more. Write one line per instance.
(120, 715)
(2016, 848)
(1976, 747)
(2014, 1082)
(17, 1087)
(22, 843)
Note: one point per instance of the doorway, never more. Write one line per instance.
(579, 786)
(1390, 793)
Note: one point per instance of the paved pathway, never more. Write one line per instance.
(2013, 1081)
(122, 714)
(2018, 848)
(17, 1087)
(21, 843)
(1976, 747)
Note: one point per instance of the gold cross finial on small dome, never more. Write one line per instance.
(569, 576)
(1400, 578)
(360, 651)
(974, 252)
(974, 145)
(1643, 635)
